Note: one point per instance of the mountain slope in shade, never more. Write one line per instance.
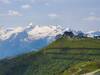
(19, 40)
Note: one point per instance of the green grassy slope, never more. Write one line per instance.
(62, 57)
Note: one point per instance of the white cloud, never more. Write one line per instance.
(14, 13)
(92, 18)
(11, 13)
(27, 6)
(5, 1)
(53, 15)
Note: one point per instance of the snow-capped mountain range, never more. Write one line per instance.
(18, 40)
(33, 32)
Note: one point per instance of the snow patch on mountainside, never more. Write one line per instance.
(6, 34)
(44, 31)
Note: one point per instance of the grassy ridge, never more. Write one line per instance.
(59, 58)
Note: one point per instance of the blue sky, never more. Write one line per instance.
(75, 14)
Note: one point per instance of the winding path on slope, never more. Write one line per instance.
(92, 73)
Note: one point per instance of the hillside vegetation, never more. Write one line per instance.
(65, 56)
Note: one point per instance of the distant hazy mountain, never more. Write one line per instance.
(93, 33)
(19, 40)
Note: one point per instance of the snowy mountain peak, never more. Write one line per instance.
(7, 33)
(44, 31)
(36, 32)
(33, 32)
